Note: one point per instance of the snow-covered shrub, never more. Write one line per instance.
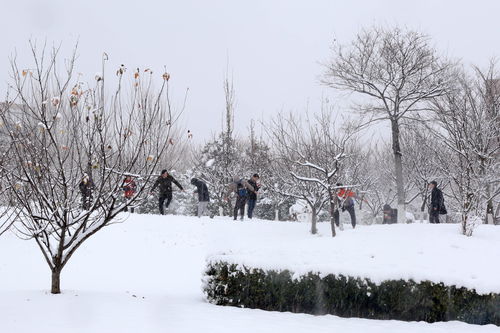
(314, 293)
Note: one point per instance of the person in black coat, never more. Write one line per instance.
(203, 196)
(86, 187)
(164, 184)
(436, 202)
(252, 196)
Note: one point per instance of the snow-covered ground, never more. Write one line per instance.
(144, 275)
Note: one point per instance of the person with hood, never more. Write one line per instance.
(252, 196)
(86, 187)
(241, 188)
(203, 196)
(436, 205)
(164, 184)
(345, 201)
(129, 187)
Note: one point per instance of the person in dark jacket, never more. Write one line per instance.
(203, 196)
(86, 187)
(241, 188)
(436, 202)
(164, 184)
(252, 196)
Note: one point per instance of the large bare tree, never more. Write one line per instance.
(72, 143)
(395, 71)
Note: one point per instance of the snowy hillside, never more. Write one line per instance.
(144, 275)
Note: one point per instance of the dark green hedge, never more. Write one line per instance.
(229, 284)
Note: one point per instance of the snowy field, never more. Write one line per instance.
(144, 275)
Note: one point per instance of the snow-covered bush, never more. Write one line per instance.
(345, 296)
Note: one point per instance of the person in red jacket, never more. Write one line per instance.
(129, 188)
(345, 201)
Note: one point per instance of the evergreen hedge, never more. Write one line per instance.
(345, 296)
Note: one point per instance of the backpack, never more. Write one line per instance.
(241, 190)
(442, 207)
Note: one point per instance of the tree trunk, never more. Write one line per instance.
(314, 217)
(490, 217)
(332, 212)
(398, 167)
(496, 219)
(464, 224)
(56, 281)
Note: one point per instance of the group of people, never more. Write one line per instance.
(245, 191)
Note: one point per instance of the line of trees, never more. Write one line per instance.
(444, 122)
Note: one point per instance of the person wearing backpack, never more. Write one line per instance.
(345, 201)
(436, 203)
(242, 189)
(252, 196)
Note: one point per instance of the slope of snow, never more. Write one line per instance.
(144, 275)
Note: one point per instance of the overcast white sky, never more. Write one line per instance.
(274, 47)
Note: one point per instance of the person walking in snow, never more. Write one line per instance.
(86, 187)
(252, 196)
(203, 196)
(436, 203)
(129, 187)
(241, 188)
(164, 184)
(345, 201)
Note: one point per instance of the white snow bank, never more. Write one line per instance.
(419, 252)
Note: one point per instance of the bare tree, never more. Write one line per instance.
(489, 89)
(218, 161)
(73, 143)
(465, 124)
(5, 146)
(396, 71)
(314, 150)
(287, 186)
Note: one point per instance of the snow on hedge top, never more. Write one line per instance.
(420, 252)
